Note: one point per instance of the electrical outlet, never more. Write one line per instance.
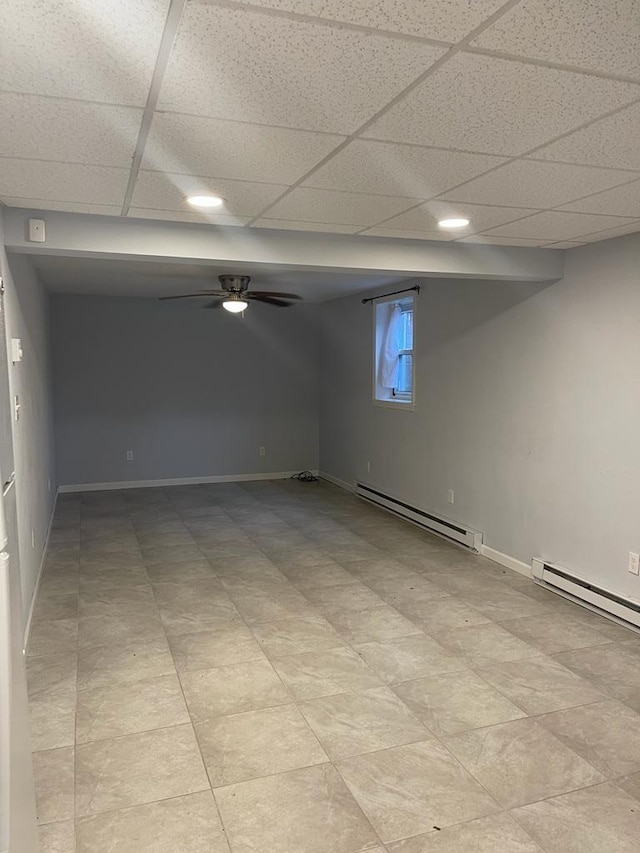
(263, 451)
(129, 455)
(369, 467)
(634, 563)
(450, 496)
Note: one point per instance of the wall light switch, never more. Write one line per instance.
(450, 496)
(129, 456)
(263, 451)
(36, 230)
(634, 563)
(16, 350)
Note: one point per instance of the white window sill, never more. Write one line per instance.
(406, 406)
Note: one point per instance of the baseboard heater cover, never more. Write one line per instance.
(622, 610)
(441, 526)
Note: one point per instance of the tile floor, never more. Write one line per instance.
(278, 667)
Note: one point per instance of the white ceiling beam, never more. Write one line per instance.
(72, 234)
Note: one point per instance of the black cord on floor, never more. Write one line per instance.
(304, 477)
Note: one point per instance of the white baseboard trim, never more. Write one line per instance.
(505, 560)
(36, 588)
(349, 487)
(176, 481)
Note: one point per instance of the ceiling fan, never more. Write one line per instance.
(235, 295)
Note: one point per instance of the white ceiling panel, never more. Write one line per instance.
(314, 205)
(186, 216)
(168, 192)
(612, 141)
(480, 103)
(247, 66)
(600, 35)
(231, 149)
(390, 169)
(564, 244)
(481, 216)
(553, 225)
(38, 128)
(621, 201)
(407, 234)
(531, 183)
(487, 240)
(62, 181)
(620, 231)
(90, 49)
(293, 225)
(447, 20)
(68, 206)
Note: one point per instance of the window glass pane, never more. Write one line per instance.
(405, 374)
(406, 336)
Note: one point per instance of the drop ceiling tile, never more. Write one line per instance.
(62, 181)
(406, 234)
(247, 66)
(486, 240)
(312, 205)
(161, 191)
(98, 51)
(553, 225)
(600, 35)
(620, 201)
(564, 244)
(185, 216)
(621, 231)
(611, 142)
(39, 128)
(480, 103)
(532, 183)
(41, 204)
(481, 216)
(448, 20)
(229, 149)
(391, 169)
(292, 225)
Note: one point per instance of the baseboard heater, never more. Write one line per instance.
(557, 579)
(469, 538)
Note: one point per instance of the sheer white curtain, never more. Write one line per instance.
(389, 360)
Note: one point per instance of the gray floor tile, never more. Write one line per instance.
(257, 743)
(184, 823)
(407, 790)
(233, 689)
(406, 658)
(137, 769)
(58, 837)
(364, 626)
(353, 723)
(494, 834)
(602, 818)
(222, 645)
(53, 637)
(483, 645)
(606, 734)
(53, 772)
(324, 673)
(456, 702)
(309, 809)
(297, 635)
(551, 634)
(613, 668)
(520, 762)
(541, 684)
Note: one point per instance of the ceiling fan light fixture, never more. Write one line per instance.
(235, 305)
(205, 200)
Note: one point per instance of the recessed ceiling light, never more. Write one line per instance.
(453, 222)
(205, 200)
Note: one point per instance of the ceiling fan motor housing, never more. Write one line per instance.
(234, 283)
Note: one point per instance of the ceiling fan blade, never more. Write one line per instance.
(276, 295)
(215, 304)
(268, 299)
(199, 295)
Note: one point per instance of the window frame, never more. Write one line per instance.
(401, 401)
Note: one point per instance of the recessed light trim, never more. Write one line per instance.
(205, 200)
(453, 222)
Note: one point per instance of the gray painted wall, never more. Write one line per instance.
(192, 392)
(527, 405)
(26, 305)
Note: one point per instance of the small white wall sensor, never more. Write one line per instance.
(16, 350)
(36, 230)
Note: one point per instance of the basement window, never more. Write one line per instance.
(394, 353)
